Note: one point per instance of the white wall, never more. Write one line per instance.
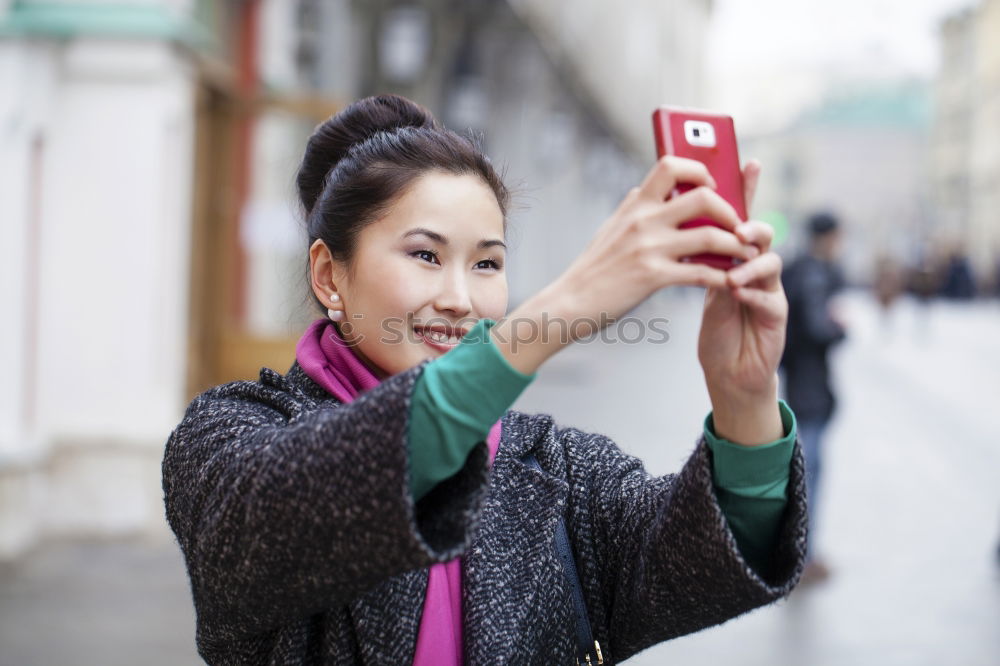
(96, 327)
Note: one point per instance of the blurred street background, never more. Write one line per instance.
(148, 151)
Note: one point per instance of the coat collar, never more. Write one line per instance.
(297, 381)
(520, 431)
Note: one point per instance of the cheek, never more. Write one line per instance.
(494, 297)
(395, 288)
(390, 295)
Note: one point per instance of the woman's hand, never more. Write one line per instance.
(743, 336)
(640, 248)
(637, 251)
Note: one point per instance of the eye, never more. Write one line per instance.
(420, 252)
(491, 262)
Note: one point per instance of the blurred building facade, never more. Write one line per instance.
(603, 45)
(861, 153)
(965, 183)
(151, 231)
(97, 108)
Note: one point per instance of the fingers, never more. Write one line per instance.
(769, 304)
(764, 272)
(697, 275)
(668, 172)
(751, 176)
(701, 202)
(757, 284)
(712, 240)
(756, 233)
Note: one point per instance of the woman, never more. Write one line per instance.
(373, 505)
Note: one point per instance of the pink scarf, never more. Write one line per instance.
(330, 362)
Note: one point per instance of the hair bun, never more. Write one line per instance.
(334, 137)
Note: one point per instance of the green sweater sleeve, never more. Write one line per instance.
(460, 395)
(456, 400)
(751, 484)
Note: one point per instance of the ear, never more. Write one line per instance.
(324, 272)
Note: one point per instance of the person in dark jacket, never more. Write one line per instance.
(959, 281)
(810, 282)
(376, 503)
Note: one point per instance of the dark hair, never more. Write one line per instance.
(359, 161)
(821, 224)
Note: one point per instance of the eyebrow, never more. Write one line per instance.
(435, 236)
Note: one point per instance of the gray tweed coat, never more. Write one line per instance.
(303, 544)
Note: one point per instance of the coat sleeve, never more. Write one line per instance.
(280, 517)
(658, 558)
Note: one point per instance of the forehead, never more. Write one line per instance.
(461, 207)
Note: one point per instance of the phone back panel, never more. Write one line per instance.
(722, 160)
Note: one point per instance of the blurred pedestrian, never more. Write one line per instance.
(959, 278)
(888, 285)
(810, 281)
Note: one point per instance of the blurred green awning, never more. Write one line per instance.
(27, 18)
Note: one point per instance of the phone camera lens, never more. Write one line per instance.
(696, 131)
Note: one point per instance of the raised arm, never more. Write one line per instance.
(657, 556)
(456, 401)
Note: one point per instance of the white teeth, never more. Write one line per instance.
(440, 337)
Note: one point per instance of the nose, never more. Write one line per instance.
(454, 297)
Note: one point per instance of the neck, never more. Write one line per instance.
(367, 362)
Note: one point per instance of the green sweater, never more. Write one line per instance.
(460, 395)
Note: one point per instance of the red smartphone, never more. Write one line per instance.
(709, 138)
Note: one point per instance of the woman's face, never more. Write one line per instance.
(435, 259)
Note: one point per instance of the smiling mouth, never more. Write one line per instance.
(436, 339)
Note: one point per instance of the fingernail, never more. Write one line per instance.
(752, 252)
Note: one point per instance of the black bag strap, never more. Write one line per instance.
(588, 650)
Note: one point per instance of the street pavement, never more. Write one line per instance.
(909, 520)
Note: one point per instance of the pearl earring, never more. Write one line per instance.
(335, 315)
